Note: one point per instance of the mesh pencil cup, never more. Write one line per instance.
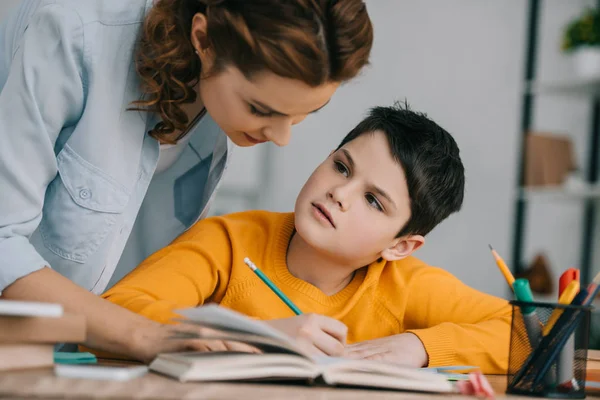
(548, 359)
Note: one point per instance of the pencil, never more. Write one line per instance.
(272, 286)
(566, 297)
(510, 279)
(593, 289)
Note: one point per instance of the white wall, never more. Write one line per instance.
(461, 61)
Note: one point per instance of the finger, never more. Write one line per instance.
(205, 345)
(365, 352)
(216, 345)
(391, 357)
(315, 351)
(333, 327)
(199, 329)
(309, 348)
(213, 345)
(360, 345)
(241, 347)
(377, 356)
(327, 343)
(192, 345)
(191, 330)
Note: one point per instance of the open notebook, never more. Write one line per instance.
(281, 359)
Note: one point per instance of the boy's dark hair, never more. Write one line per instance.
(429, 157)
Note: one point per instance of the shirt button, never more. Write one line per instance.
(84, 194)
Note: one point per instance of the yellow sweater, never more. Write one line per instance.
(457, 324)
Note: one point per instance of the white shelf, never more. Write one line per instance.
(560, 193)
(577, 87)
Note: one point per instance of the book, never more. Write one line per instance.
(592, 378)
(28, 355)
(30, 309)
(69, 328)
(281, 358)
(29, 330)
(593, 355)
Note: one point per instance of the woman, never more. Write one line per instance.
(118, 121)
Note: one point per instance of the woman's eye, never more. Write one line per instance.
(341, 168)
(259, 113)
(373, 202)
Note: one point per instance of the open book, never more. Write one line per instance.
(281, 359)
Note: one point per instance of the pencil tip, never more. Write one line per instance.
(491, 248)
(597, 279)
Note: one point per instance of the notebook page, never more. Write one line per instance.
(214, 316)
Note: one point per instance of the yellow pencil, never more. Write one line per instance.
(510, 279)
(566, 297)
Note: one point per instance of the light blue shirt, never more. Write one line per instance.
(78, 190)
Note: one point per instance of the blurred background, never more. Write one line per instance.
(488, 72)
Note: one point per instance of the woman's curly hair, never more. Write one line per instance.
(314, 41)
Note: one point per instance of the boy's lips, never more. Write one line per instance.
(321, 211)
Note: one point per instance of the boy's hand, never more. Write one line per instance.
(316, 334)
(405, 349)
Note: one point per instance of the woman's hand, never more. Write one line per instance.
(154, 338)
(405, 349)
(316, 334)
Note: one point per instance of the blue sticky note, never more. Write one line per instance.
(63, 357)
(451, 372)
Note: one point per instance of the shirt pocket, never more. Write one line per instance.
(81, 206)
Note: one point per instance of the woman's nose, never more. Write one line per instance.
(279, 133)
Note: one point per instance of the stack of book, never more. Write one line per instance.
(30, 330)
(592, 378)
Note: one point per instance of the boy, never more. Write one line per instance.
(343, 257)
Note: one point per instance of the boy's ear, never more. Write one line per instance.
(402, 247)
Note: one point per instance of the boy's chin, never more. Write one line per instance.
(312, 234)
(325, 247)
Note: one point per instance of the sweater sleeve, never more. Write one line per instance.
(457, 324)
(191, 271)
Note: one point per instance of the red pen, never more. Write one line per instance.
(572, 274)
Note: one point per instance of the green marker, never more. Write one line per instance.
(530, 318)
(523, 293)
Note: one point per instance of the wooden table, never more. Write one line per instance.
(43, 384)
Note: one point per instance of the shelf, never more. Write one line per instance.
(560, 193)
(577, 87)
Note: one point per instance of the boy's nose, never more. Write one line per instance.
(338, 197)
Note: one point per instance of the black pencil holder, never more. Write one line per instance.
(551, 365)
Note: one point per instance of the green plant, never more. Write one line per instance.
(582, 31)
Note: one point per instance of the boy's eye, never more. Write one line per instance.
(257, 112)
(341, 168)
(373, 202)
